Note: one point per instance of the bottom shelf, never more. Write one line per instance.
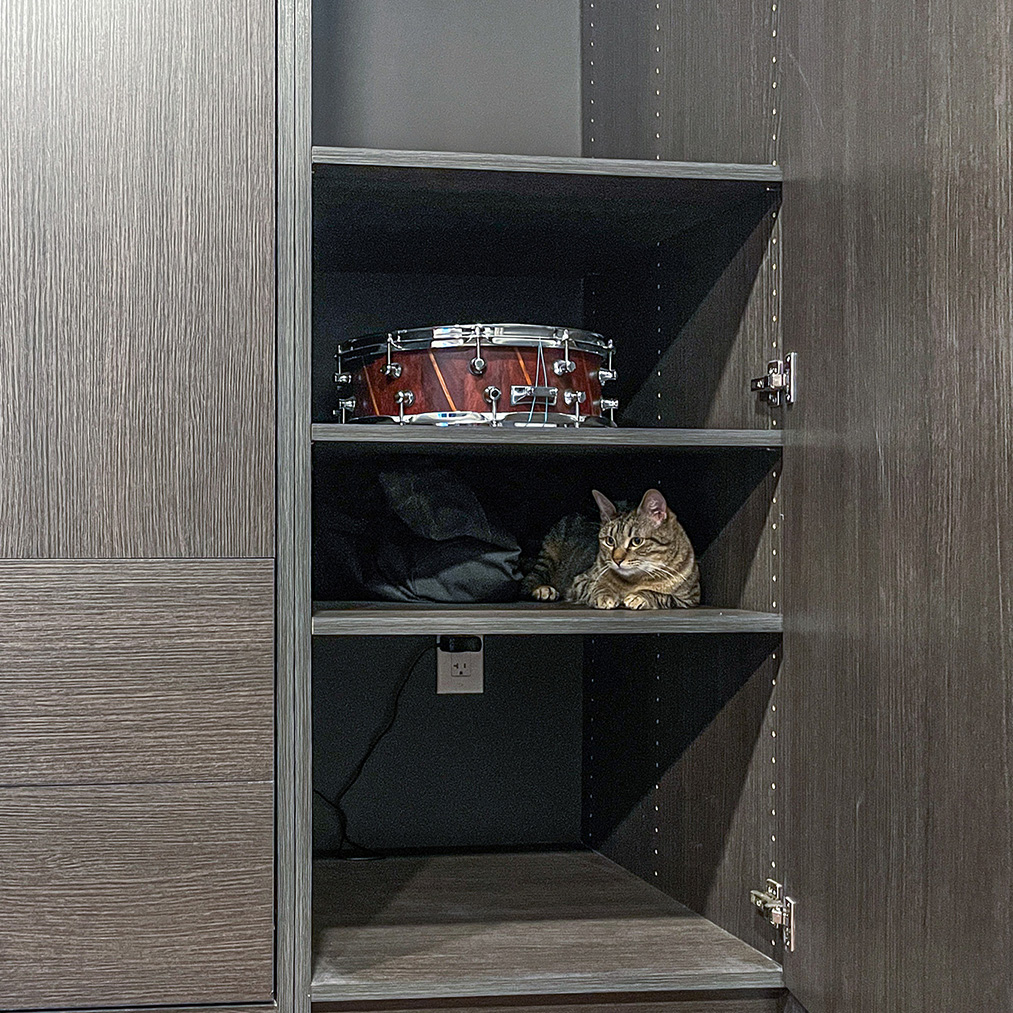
(543, 923)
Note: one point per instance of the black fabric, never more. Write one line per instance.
(428, 539)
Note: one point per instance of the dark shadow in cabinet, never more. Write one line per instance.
(668, 269)
(697, 299)
(674, 803)
(722, 499)
(492, 770)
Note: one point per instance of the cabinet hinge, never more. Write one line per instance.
(780, 383)
(778, 909)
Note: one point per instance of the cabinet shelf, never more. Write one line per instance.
(396, 158)
(542, 923)
(528, 618)
(449, 213)
(597, 438)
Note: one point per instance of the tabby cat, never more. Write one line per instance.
(636, 559)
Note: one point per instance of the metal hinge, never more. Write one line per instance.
(780, 382)
(778, 909)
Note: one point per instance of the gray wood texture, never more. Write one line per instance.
(724, 1001)
(678, 80)
(715, 82)
(136, 895)
(394, 618)
(632, 165)
(688, 80)
(293, 767)
(260, 1007)
(136, 670)
(677, 767)
(535, 923)
(137, 287)
(424, 437)
(477, 76)
(897, 678)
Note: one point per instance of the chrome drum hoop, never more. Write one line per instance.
(367, 347)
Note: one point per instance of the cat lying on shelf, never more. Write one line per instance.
(636, 559)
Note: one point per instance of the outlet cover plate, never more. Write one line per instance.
(459, 671)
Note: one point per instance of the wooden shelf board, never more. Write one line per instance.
(591, 438)
(542, 163)
(528, 618)
(543, 923)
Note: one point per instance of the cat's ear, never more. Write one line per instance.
(653, 506)
(605, 507)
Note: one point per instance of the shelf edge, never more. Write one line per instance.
(760, 173)
(333, 432)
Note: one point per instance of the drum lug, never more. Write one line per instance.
(564, 365)
(392, 370)
(477, 365)
(492, 395)
(610, 405)
(606, 375)
(343, 379)
(345, 405)
(404, 399)
(575, 398)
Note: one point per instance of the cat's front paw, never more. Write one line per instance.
(545, 592)
(604, 601)
(637, 601)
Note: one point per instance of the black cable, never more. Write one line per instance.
(335, 803)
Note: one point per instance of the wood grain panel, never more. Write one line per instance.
(969, 653)
(715, 80)
(137, 286)
(678, 80)
(120, 670)
(510, 924)
(136, 895)
(676, 767)
(394, 618)
(895, 684)
(724, 1001)
(427, 438)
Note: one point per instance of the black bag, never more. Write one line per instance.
(431, 540)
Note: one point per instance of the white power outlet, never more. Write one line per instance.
(459, 667)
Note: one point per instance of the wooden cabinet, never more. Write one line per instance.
(856, 749)
(137, 497)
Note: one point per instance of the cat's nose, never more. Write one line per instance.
(617, 556)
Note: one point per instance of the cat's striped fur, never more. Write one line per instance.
(643, 559)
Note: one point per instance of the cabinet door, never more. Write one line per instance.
(897, 822)
(137, 280)
(137, 517)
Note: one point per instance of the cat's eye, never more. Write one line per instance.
(636, 541)
(609, 541)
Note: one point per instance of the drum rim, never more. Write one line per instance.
(485, 419)
(413, 338)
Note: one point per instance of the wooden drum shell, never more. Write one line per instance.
(441, 380)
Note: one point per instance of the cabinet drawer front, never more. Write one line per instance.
(119, 671)
(136, 895)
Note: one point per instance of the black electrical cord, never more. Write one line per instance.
(357, 850)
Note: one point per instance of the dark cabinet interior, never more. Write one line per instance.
(574, 827)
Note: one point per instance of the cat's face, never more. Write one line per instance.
(640, 541)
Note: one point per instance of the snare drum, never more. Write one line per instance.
(480, 374)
